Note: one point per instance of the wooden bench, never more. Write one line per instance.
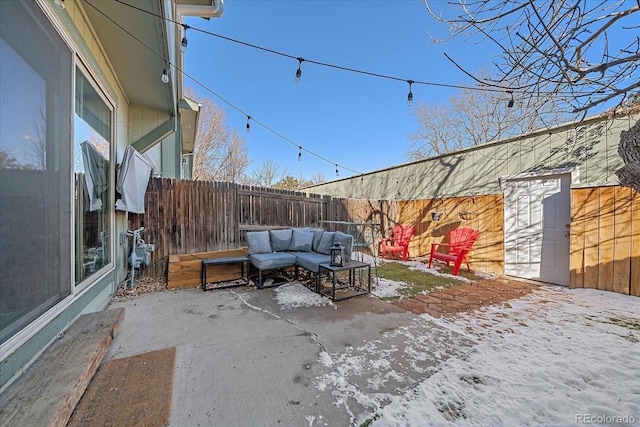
(225, 260)
(49, 390)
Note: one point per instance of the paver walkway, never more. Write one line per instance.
(466, 297)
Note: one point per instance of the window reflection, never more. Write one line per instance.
(36, 70)
(92, 129)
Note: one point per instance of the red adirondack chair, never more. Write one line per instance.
(399, 242)
(460, 242)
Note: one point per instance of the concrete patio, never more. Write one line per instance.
(264, 358)
(243, 359)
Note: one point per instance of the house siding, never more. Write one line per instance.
(144, 120)
(590, 146)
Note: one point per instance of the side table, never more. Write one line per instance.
(353, 287)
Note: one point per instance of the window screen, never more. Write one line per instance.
(35, 166)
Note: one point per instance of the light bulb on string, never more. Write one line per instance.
(337, 172)
(298, 71)
(511, 101)
(165, 74)
(248, 125)
(299, 153)
(185, 42)
(410, 95)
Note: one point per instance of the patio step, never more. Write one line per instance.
(49, 390)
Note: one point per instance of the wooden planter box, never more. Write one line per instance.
(185, 271)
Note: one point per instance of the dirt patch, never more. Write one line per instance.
(131, 391)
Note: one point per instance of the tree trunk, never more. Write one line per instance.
(629, 150)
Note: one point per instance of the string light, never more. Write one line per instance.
(485, 88)
(337, 172)
(59, 4)
(185, 42)
(511, 102)
(299, 153)
(248, 125)
(165, 73)
(410, 95)
(165, 79)
(298, 71)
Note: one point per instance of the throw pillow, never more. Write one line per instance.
(324, 247)
(280, 239)
(317, 235)
(258, 242)
(301, 241)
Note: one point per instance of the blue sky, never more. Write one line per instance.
(358, 121)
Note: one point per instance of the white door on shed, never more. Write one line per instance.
(537, 215)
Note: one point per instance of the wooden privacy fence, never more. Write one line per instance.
(191, 217)
(260, 207)
(605, 239)
(482, 213)
(186, 217)
(604, 244)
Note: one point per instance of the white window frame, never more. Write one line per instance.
(29, 331)
(98, 87)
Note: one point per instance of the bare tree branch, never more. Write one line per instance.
(219, 155)
(475, 117)
(586, 53)
(603, 29)
(268, 174)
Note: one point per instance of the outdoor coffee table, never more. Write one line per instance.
(353, 287)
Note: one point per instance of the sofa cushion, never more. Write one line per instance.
(346, 240)
(280, 239)
(317, 235)
(311, 260)
(301, 240)
(273, 260)
(258, 242)
(324, 247)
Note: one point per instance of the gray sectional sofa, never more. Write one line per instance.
(293, 247)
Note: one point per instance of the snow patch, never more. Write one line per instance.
(294, 295)
(548, 358)
(554, 356)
